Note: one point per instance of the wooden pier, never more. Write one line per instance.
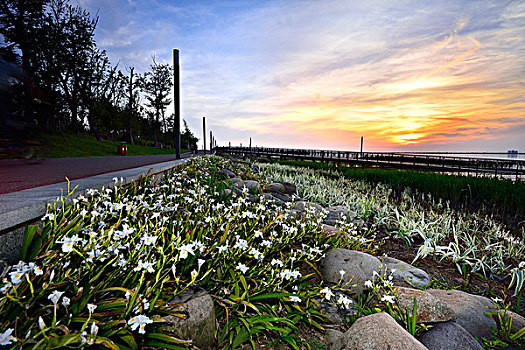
(446, 162)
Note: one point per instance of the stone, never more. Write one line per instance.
(226, 192)
(227, 173)
(336, 212)
(328, 228)
(449, 335)
(359, 267)
(334, 313)
(198, 323)
(274, 187)
(303, 206)
(406, 275)
(289, 188)
(332, 338)
(263, 160)
(471, 310)
(251, 184)
(269, 197)
(377, 331)
(281, 197)
(429, 309)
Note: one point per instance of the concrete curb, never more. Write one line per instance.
(20, 208)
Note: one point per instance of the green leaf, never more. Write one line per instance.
(29, 235)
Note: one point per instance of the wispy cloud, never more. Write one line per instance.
(296, 73)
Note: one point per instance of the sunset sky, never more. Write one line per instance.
(406, 75)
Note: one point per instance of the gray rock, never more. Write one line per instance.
(198, 323)
(269, 197)
(377, 331)
(471, 310)
(429, 309)
(447, 336)
(406, 275)
(226, 192)
(227, 173)
(332, 338)
(334, 313)
(251, 184)
(303, 206)
(358, 267)
(336, 212)
(274, 187)
(289, 188)
(328, 228)
(282, 197)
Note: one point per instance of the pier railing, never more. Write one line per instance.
(446, 162)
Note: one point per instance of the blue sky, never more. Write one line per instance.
(406, 75)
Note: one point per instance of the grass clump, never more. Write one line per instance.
(500, 194)
(86, 145)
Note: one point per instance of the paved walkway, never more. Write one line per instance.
(21, 174)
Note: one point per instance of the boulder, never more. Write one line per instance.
(289, 188)
(406, 275)
(429, 309)
(236, 180)
(281, 197)
(227, 173)
(377, 331)
(328, 228)
(449, 335)
(332, 338)
(274, 187)
(336, 212)
(303, 206)
(198, 323)
(471, 310)
(359, 267)
(269, 197)
(226, 192)
(252, 184)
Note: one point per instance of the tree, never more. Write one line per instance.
(21, 26)
(187, 139)
(156, 85)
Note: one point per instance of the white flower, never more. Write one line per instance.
(344, 300)
(41, 323)
(66, 301)
(194, 274)
(327, 293)
(200, 262)
(295, 299)
(91, 308)
(68, 243)
(55, 296)
(185, 249)
(6, 338)
(94, 329)
(242, 267)
(277, 261)
(222, 248)
(388, 298)
(145, 266)
(128, 294)
(16, 276)
(140, 322)
(149, 240)
(368, 284)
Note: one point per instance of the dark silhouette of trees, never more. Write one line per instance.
(156, 85)
(68, 84)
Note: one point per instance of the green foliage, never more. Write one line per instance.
(86, 145)
(494, 192)
(105, 268)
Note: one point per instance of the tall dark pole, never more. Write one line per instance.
(176, 101)
(211, 141)
(361, 144)
(204, 132)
